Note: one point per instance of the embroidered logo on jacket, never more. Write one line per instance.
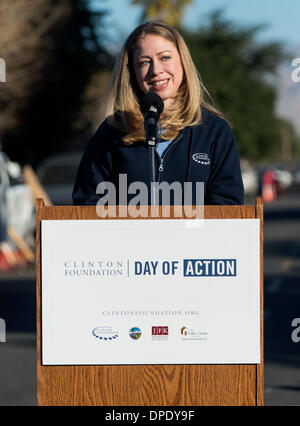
(201, 158)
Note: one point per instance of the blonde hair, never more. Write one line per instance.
(123, 106)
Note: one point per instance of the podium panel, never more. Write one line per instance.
(147, 384)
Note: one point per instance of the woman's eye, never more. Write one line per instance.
(142, 63)
(165, 58)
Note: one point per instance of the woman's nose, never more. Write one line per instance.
(156, 67)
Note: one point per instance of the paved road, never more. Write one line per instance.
(18, 353)
(282, 299)
(282, 296)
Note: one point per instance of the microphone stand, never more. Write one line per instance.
(151, 145)
(151, 139)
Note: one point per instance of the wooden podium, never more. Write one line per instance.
(147, 385)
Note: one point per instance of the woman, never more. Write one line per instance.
(196, 143)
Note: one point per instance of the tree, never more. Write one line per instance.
(236, 70)
(21, 45)
(169, 11)
(51, 50)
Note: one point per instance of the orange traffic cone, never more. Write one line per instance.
(268, 193)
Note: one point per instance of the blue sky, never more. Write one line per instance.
(281, 16)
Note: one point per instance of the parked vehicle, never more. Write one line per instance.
(250, 178)
(57, 176)
(17, 204)
(296, 174)
(283, 175)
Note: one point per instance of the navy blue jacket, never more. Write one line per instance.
(203, 153)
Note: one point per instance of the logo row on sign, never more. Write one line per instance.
(106, 334)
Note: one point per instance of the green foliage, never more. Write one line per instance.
(236, 70)
(290, 140)
(72, 53)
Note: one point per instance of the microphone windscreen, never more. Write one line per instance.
(152, 99)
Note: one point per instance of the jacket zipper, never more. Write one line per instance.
(161, 159)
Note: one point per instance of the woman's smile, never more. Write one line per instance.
(158, 85)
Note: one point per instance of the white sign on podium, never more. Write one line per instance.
(150, 292)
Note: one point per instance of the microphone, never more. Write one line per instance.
(152, 106)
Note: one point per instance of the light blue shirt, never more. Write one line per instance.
(162, 146)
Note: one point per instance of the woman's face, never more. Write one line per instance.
(158, 68)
